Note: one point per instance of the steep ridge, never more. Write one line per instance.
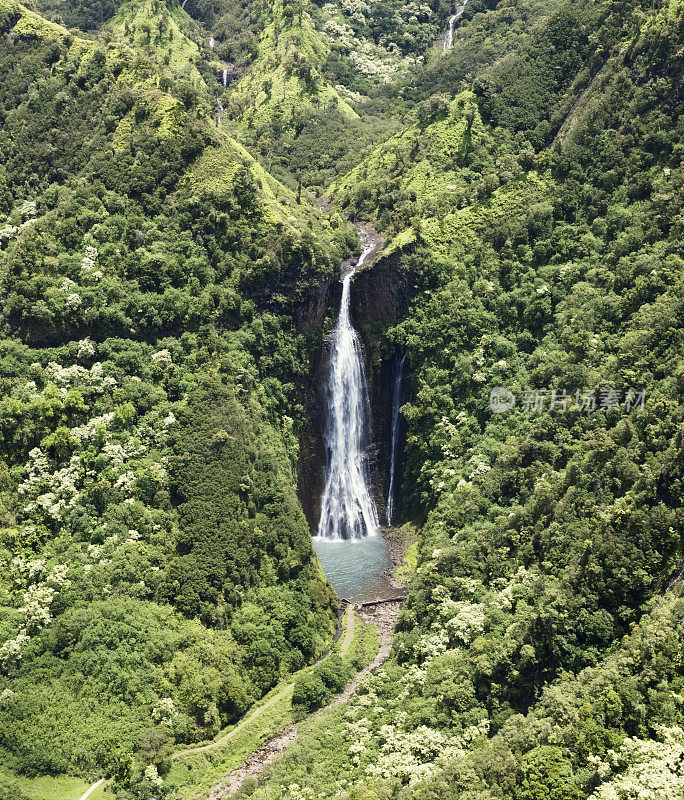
(285, 79)
(148, 495)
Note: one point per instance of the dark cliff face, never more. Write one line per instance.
(311, 465)
(380, 296)
(380, 299)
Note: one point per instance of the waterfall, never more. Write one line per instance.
(449, 41)
(347, 508)
(183, 3)
(396, 405)
(225, 78)
(212, 43)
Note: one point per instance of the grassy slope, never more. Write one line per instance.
(50, 788)
(196, 770)
(161, 32)
(284, 45)
(425, 163)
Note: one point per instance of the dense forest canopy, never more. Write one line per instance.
(164, 273)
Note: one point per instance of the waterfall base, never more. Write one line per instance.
(358, 569)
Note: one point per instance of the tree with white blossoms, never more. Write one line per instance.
(162, 358)
(86, 348)
(74, 301)
(38, 598)
(36, 608)
(11, 651)
(152, 775)
(164, 712)
(643, 769)
(414, 755)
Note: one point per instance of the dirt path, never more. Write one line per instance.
(385, 617)
(96, 785)
(580, 104)
(348, 638)
(349, 635)
(246, 721)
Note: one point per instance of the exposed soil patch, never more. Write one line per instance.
(385, 617)
(398, 541)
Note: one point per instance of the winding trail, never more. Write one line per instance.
(269, 751)
(95, 786)
(242, 724)
(257, 712)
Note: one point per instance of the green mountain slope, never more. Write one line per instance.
(148, 503)
(156, 571)
(161, 32)
(544, 257)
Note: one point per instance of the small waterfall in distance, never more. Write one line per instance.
(449, 41)
(347, 507)
(394, 447)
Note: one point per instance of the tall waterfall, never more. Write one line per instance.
(449, 41)
(396, 405)
(225, 78)
(347, 508)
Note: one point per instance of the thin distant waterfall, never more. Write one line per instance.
(449, 41)
(347, 508)
(396, 405)
(225, 78)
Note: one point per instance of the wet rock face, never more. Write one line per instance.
(312, 312)
(311, 465)
(380, 296)
(380, 299)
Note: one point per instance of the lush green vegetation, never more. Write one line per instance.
(157, 576)
(538, 221)
(158, 589)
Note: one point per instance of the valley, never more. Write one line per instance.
(341, 409)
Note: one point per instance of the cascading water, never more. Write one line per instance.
(225, 78)
(347, 508)
(394, 447)
(449, 41)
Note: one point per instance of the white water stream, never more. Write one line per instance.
(347, 507)
(449, 41)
